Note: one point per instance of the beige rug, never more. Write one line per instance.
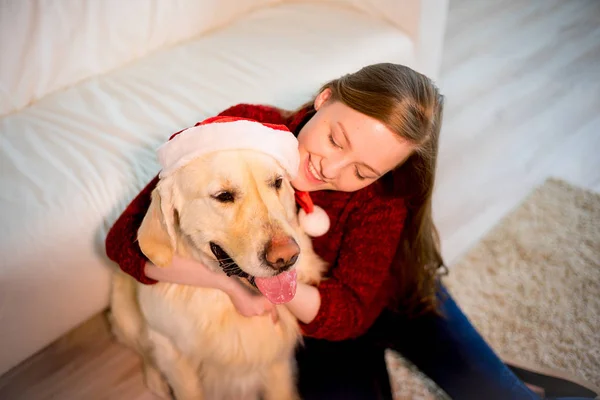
(531, 287)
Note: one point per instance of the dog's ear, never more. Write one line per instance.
(156, 235)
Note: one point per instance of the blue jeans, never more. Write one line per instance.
(446, 348)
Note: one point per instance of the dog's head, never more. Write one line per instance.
(235, 208)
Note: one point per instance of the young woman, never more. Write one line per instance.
(368, 146)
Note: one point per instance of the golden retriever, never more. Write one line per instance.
(233, 210)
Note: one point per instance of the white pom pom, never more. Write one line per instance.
(314, 224)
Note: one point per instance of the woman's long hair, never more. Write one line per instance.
(409, 104)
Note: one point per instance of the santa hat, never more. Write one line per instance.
(233, 133)
(229, 133)
(313, 219)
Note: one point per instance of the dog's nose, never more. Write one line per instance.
(281, 253)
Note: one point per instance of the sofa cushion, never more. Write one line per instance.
(53, 45)
(71, 162)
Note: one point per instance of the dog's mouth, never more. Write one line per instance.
(227, 264)
(278, 289)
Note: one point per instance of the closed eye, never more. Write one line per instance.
(333, 142)
(358, 175)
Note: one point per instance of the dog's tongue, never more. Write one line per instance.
(278, 289)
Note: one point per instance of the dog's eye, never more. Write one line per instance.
(277, 183)
(224, 197)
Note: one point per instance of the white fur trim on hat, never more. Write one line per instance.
(232, 134)
(314, 224)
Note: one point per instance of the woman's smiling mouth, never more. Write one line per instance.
(312, 171)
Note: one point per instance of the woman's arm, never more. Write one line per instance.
(185, 271)
(357, 290)
(306, 303)
(121, 241)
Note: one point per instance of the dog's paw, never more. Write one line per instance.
(156, 382)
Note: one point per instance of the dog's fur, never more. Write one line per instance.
(192, 340)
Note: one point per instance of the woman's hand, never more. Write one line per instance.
(250, 304)
(185, 271)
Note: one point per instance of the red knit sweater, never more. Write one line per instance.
(365, 230)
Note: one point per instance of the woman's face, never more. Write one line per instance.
(342, 149)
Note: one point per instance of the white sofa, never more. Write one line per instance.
(89, 89)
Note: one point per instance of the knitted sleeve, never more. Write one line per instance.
(357, 290)
(121, 242)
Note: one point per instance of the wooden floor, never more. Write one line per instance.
(522, 80)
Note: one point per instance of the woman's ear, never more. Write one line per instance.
(322, 98)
